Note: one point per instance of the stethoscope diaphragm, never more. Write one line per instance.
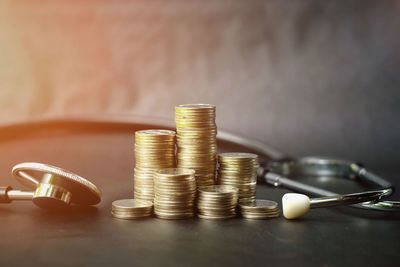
(52, 187)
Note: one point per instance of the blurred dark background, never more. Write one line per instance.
(307, 77)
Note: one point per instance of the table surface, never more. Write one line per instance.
(91, 237)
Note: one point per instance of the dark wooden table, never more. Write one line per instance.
(103, 153)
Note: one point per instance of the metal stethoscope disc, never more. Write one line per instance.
(55, 187)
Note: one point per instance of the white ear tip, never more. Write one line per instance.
(295, 205)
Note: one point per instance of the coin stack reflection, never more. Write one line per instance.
(217, 202)
(240, 170)
(260, 209)
(196, 140)
(154, 150)
(175, 191)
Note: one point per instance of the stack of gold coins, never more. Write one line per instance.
(240, 170)
(131, 209)
(154, 150)
(217, 202)
(260, 209)
(175, 192)
(196, 140)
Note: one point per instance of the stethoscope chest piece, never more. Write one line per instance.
(51, 196)
(53, 187)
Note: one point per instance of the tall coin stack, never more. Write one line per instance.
(154, 150)
(196, 140)
(175, 192)
(240, 170)
(217, 202)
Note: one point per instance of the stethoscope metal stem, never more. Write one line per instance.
(348, 199)
(20, 195)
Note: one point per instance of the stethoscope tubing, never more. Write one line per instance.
(371, 200)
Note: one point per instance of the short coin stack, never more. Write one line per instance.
(260, 209)
(217, 202)
(154, 150)
(175, 192)
(240, 170)
(131, 209)
(196, 140)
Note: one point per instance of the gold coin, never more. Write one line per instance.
(238, 155)
(175, 216)
(175, 172)
(218, 190)
(131, 204)
(196, 140)
(240, 170)
(154, 150)
(260, 217)
(127, 216)
(260, 209)
(152, 133)
(261, 204)
(216, 217)
(131, 208)
(175, 191)
(217, 202)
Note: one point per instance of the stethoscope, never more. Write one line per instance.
(276, 173)
(53, 187)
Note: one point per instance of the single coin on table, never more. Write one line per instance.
(260, 209)
(217, 202)
(131, 209)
